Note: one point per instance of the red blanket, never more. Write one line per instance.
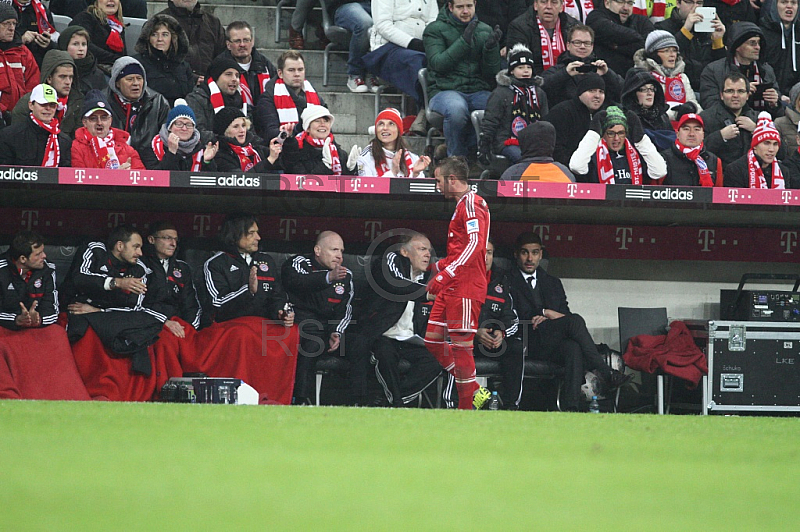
(108, 376)
(674, 353)
(261, 353)
(38, 364)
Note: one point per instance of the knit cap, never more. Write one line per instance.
(658, 40)
(519, 55)
(590, 81)
(390, 113)
(224, 118)
(220, 65)
(7, 12)
(313, 112)
(615, 117)
(181, 110)
(765, 130)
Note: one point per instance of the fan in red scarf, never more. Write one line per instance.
(547, 19)
(387, 154)
(43, 105)
(114, 40)
(317, 126)
(230, 127)
(46, 31)
(616, 140)
(224, 83)
(690, 132)
(762, 155)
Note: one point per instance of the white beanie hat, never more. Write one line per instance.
(312, 112)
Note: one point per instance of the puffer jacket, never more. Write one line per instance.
(525, 30)
(19, 73)
(205, 32)
(682, 171)
(168, 74)
(643, 62)
(654, 118)
(153, 112)
(498, 123)
(72, 118)
(713, 76)
(455, 65)
(399, 21)
(83, 155)
(617, 42)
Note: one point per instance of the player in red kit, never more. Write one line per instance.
(459, 283)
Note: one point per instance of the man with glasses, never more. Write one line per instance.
(619, 33)
(97, 144)
(560, 81)
(257, 70)
(696, 48)
(745, 43)
(729, 125)
(20, 71)
(543, 30)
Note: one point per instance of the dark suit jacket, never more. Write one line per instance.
(550, 287)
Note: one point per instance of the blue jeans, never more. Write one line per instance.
(512, 153)
(456, 107)
(355, 17)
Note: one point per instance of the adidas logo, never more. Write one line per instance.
(234, 267)
(10, 286)
(104, 269)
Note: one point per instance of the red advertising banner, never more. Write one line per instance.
(127, 178)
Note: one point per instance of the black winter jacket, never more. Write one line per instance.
(737, 174)
(682, 171)
(227, 282)
(792, 163)
(172, 292)
(200, 102)
(178, 161)
(571, 120)
(779, 52)
(313, 298)
(259, 64)
(498, 120)
(266, 115)
(716, 118)
(500, 13)
(616, 42)
(205, 32)
(697, 52)
(226, 160)
(40, 287)
(169, 75)
(308, 160)
(731, 14)
(98, 33)
(654, 118)
(27, 22)
(152, 115)
(497, 312)
(23, 143)
(560, 86)
(524, 29)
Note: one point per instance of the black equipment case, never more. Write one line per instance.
(752, 366)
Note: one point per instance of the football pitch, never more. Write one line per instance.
(103, 466)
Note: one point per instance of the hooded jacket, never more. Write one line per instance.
(72, 118)
(537, 143)
(87, 75)
(697, 51)
(560, 86)
(19, 73)
(617, 42)
(204, 31)
(168, 74)
(453, 64)
(642, 61)
(83, 155)
(571, 120)
(99, 30)
(498, 119)
(654, 118)
(713, 77)
(524, 29)
(783, 48)
(153, 112)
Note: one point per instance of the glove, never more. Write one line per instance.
(596, 124)
(635, 129)
(327, 160)
(469, 32)
(685, 108)
(494, 38)
(485, 152)
(436, 284)
(352, 159)
(416, 45)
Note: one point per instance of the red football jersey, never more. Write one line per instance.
(467, 236)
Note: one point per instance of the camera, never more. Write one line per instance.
(282, 136)
(586, 68)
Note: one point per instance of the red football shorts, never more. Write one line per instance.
(456, 314)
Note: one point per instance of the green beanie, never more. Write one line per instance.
(615, 117)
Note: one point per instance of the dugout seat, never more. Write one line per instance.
(652, 321)
(499, 163)
(435, 120)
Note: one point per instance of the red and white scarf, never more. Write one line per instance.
(605, 167)
(657, 13)
(218, 101)
(693, 154)
(248, 156)
(551, 48)
(674, 88)
(756, 174)
(386, 165)
(104, 149)
(287, 110)
(578, 9)
(336, 163)
(52, 152)
(41, 16)
(247, 94)
(114, 40)
(61, 110)
(158, 149)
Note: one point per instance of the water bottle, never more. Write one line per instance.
(594, 406)
(494, 402)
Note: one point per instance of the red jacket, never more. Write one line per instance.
(19, 74)
(674, 353)
(83, 155)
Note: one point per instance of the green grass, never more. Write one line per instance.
(101, 466)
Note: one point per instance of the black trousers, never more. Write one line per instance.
(403, 388)
(567, 342)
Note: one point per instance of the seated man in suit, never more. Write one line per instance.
(558, 335)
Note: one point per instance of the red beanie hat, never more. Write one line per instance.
(390, 113)
(765, 130)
